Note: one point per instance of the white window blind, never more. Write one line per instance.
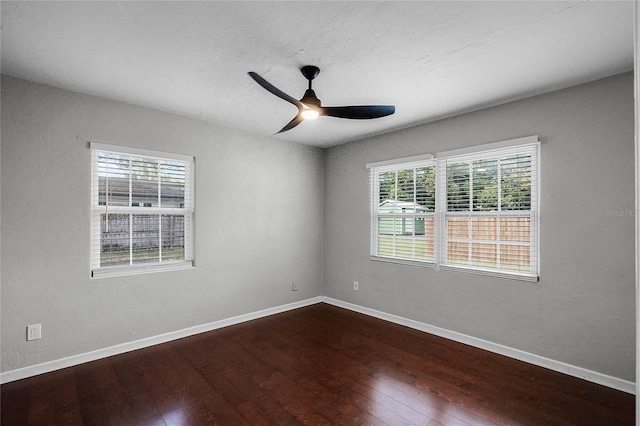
(142, 211)
(489, 211)
(404, 207)
(473, 211)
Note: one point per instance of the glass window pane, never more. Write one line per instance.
(429, 227)
(114, 239)
(405, 226)
(387, 186)
(424, 249)
(516, 182)
(484, 228)
(385, 246)
(515, 257)
(515, 229)
(458, 227)
(404, 247)
(485, 184)
(458, 252)
(426, 188)
(386, 226)
(172, 181)
(146, 238)
(172, 237)
(144, 182)
(113, 179)
(418, 226)
(458, 187)
(406, 190)
(484, 255)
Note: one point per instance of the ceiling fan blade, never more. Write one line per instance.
(293, 123)
(273, 89)
(362, 112)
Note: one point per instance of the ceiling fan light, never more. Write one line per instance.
(310, 114)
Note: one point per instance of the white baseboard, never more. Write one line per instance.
(592, 376)
(46, 367)
(583, 373)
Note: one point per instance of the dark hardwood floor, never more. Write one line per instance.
(319, 365)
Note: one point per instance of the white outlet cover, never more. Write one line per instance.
(34, 332)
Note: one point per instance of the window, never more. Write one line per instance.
(472, 210)
(142, 211)
(405, 211)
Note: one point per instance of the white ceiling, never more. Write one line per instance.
(429, 59)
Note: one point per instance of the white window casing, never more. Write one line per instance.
(142, 211)
(485, 213)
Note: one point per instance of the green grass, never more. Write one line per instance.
(404, 249)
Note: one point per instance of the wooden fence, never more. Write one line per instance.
(477, 241)
(146, 232)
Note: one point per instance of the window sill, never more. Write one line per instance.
(419, 263)
(120, 271)
(491, 273)
(466, 270)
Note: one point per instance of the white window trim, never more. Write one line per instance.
(440, 214)
(168, 265)
(508, 144)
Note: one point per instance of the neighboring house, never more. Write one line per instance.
(403, 225)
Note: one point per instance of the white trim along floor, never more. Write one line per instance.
(592, 376)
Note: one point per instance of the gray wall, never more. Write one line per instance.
(258, 225)
(582, 311)
(249, 249)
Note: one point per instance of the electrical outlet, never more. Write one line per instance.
(294, 287)
(34, 332)
(356, 286)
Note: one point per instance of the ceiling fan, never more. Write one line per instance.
(309, 107)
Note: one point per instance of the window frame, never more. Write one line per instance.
(186, 210)
(529, 145)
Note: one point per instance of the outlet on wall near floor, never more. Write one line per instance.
(356, 286)
(294, 287)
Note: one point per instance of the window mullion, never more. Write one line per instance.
(158, 171)
(130, 181)
(159, 237)
(159, 198)
(470, 220)
(395, 198)
(130, 238)
(440, 219)
(499, 174)
(498, 240)
(106, 195)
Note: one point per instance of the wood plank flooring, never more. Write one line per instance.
(318, 365)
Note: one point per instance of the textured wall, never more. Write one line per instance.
(582, 311)
(258, 225)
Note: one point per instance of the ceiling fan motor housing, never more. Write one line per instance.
(310, 99)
